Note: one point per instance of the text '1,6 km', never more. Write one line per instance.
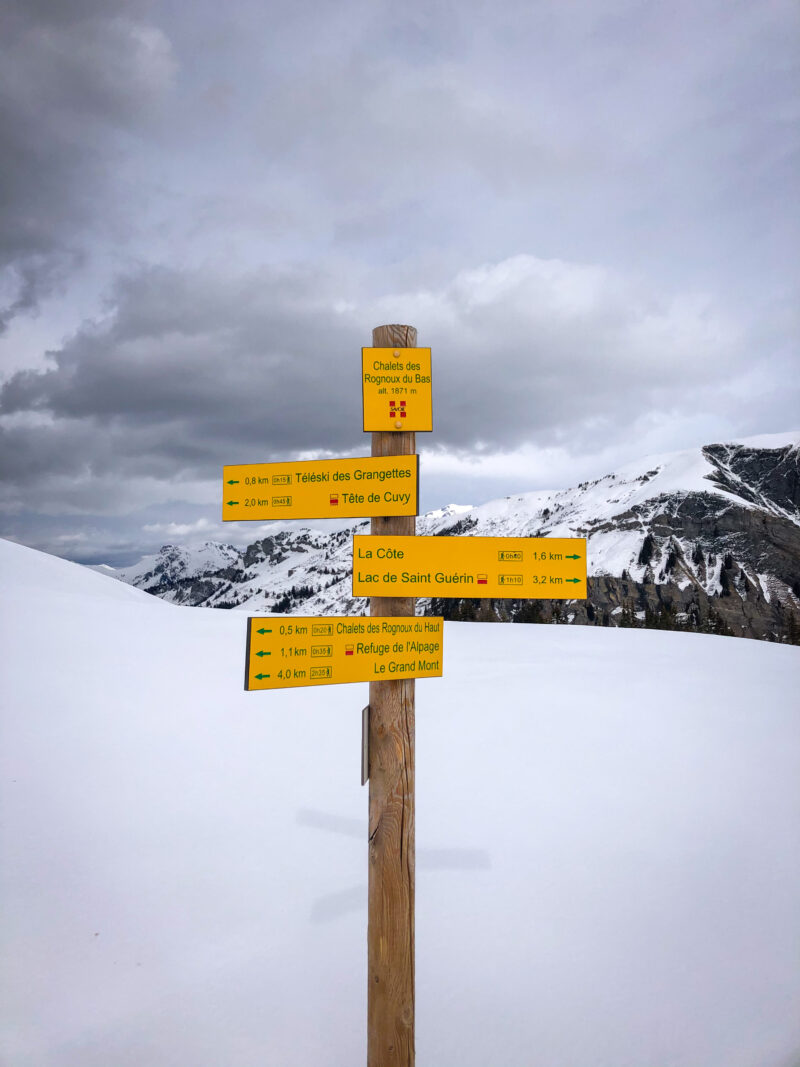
(501, 567)
(287, 651)
(321, 488)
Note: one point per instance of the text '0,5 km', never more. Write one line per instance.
(296, 650)
(321, 489)
(542, 568)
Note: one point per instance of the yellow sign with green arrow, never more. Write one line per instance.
(287, 651)
(540, 568)
(321, 488)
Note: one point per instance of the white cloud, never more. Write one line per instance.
(179, 529)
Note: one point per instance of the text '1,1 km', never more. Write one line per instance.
(296, 650)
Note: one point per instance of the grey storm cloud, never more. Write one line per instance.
(234, 360)
(191, 370)
(583, 207)
(73, 77)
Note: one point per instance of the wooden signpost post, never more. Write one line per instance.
(390, 904)
(390, 647)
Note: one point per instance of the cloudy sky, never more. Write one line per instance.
(588, 209)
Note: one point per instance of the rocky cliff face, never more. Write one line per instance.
(707, 540)
(766, 477)
(723, 562)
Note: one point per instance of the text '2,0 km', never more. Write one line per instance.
(322, 488)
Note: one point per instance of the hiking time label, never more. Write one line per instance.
(540, 568)
(322, 489)
(284, 651)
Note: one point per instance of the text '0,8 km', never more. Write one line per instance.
(396, 388)
(542, 568)
(296, 650)
(321, 489)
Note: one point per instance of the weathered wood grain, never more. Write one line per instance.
(390, 930)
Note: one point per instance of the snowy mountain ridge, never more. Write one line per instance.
(716, 522)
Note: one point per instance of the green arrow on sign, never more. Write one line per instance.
(230, 503)
(572, 579)
(233, 482)
(261, 676)
(263, 631)
(269, 653)
(572, 557)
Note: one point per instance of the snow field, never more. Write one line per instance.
(608, 852)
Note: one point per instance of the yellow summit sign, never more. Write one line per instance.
(396, 387)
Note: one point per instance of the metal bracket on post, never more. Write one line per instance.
(365, 745)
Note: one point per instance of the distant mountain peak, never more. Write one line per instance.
(710, 530)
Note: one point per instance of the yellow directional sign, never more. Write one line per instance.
(293, 650)
(503, 567)
(396, 386)
(321, 489)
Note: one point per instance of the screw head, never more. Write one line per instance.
(396, 353)
(398, 425)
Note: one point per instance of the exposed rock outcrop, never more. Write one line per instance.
(706, 540)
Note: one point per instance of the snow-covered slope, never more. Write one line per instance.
(184, 864)
(601, 509)
(718, 522)
(206, 558)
